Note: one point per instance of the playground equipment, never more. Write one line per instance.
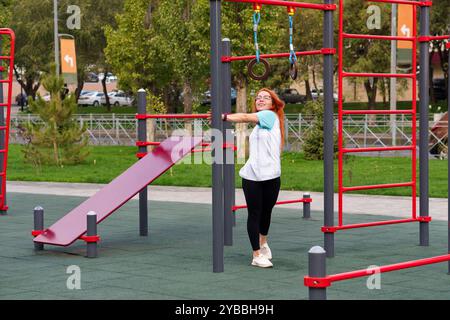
(5, 123)
(317, 280)
(111, 197)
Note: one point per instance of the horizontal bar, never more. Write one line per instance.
(3, 127)
(201, 150)
(431, 38)
(152, 143)
(378, 186)
(352, 150)
(375, 37)
(415, 3)
(234, 208)
(5, 57)
(277, 55)
(378, 111)
(172, 116)
(5, 81)
(378, 75)
(388, 268)
(376, 223)
(290, 4)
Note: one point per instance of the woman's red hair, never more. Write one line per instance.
(278, 107)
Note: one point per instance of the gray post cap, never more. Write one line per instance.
(38, 208)
(316, 249)
(91, 213)
(141, 90)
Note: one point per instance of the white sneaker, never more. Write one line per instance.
(261, 261)
(265, 250)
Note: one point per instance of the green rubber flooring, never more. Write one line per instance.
(175, 260)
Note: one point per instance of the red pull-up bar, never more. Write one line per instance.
(290, 4)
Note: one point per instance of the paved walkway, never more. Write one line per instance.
(353, 204)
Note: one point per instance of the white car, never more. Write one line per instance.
(93, 98)
(119, 98)
(109, 77)
(316, 94)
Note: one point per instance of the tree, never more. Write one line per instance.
(313, 140)
(362, 55)
(33, 26)
(135, 53)
(177, 23)
(58, 140)
(90, 38)
(440, 25)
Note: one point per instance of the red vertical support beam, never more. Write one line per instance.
(414, 116)
(340, 113)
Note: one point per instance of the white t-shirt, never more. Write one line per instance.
(265, 141)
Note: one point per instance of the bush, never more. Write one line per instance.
(58, 139)
(313, 142)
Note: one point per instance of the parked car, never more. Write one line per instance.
(118, 98)
(91, 98)
(319, 94)
(207, 97)
(91, 77)
(439, 89)
(291, 96)
(109, 77)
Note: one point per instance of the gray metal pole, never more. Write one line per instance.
(306, 207)
(317, 269)
(424, 85)
(217, 124)
(328, 31)
(91, 220)
(393, 81)
(228, 154)
(38, 214)
(142, 136)
(56, 38)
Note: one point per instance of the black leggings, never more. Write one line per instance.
(260, 197)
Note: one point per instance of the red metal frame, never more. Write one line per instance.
(342, 150)
(317, 282)
(413, 3)
(172, 116)
(431, 38)
(289, 4)
(10, 33)
(279, 55)
(305, 200)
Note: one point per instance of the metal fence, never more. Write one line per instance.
(360, 131)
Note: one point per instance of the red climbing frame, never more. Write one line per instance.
(5, 127)
(343, 150)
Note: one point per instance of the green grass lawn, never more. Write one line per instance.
(107, 162)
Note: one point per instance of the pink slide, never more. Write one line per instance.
(111, 197)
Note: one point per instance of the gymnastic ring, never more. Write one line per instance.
(293, 70)
(254, 76)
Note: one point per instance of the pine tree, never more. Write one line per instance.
(313, 142)
(58, 139)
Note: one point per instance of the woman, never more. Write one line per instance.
(261, 173)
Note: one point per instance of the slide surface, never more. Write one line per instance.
(111, 197)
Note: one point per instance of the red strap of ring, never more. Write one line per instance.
(36, 233)
(90, 239)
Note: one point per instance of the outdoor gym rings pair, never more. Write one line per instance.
(293, 67)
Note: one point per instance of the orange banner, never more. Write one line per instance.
(405, 25)
(68, 56)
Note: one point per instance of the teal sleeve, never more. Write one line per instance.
(266, 119)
